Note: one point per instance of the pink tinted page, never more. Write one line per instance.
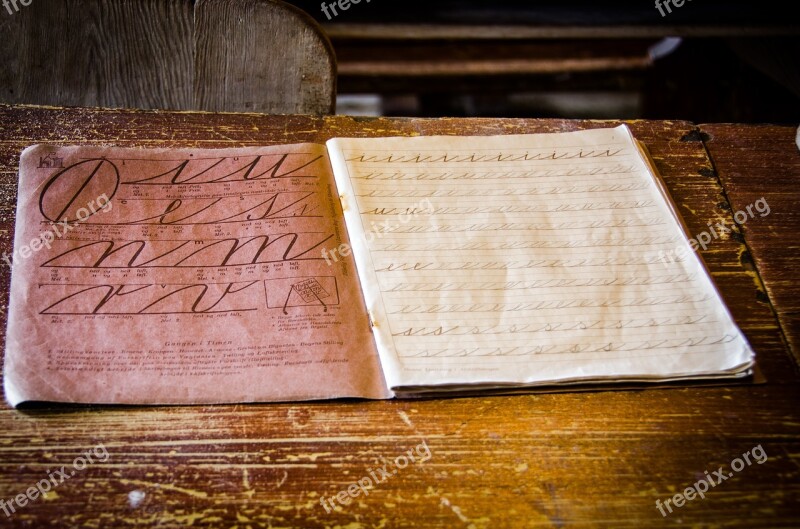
(183, 276)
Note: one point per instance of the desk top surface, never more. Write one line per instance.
(538, 460)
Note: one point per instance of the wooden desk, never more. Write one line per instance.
(763, 162)
(593, 459)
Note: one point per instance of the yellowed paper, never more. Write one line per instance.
(534, 259)
(183, 276)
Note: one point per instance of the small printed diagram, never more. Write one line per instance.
(320, 291)
(51, 161)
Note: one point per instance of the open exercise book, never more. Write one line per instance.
(362, 268)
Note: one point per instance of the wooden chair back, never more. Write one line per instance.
(217, 55)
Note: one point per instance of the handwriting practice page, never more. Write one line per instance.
(183, 276)
(524, 260)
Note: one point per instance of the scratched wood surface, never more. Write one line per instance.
(591, 459)
(763, 162)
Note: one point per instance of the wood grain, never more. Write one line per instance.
(231, 55)
(125, 53)
(261, 56)
(589, 459)
(763, 162)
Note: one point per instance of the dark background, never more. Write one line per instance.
(733, 63)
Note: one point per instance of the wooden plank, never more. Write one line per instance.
(380, 31)
(763, 162)
(595, 459)
(404, 68)
(448, 58)
(126, 53)
(261, 56)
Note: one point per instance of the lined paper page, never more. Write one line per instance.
(527, 259)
